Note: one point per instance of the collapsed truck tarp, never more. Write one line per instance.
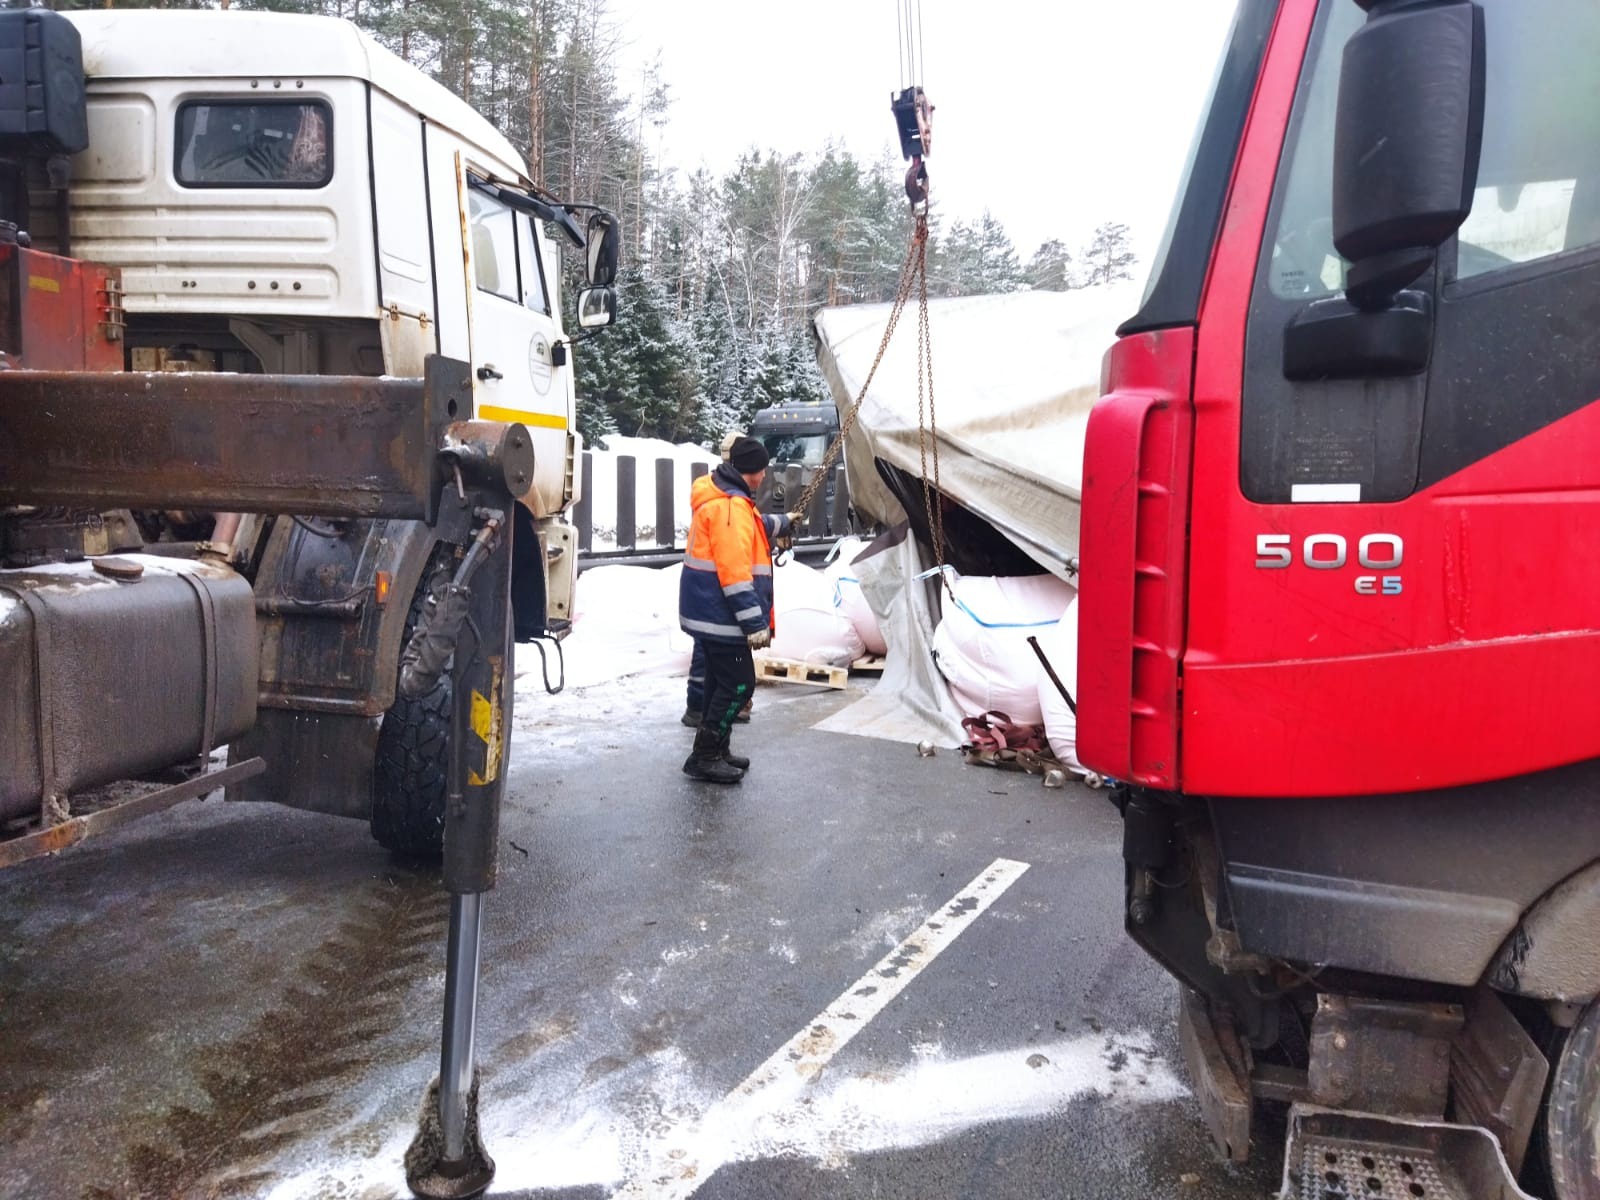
(1014, 378)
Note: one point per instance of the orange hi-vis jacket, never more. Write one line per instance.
(726, 591)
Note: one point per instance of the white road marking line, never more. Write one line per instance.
(677, 1167)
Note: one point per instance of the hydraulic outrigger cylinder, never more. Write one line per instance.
(467, 625)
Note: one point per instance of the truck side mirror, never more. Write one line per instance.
(597, 307)
(1406, 143)
(603, 241)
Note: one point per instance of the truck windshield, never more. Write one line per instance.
(1539, 179)
(807, 450)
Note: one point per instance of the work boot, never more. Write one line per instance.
(691, 718)
(705, 760)
(734, 760)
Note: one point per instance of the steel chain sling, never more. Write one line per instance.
(913, 276)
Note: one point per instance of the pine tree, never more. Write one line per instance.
(1108, 256)
(977, 259)
(1050, 268)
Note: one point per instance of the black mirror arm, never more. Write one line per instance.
(570, 227)
(558, 214)
(558, 350)
(1337, 339)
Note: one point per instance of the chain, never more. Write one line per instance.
(928, 431)
(913, 275)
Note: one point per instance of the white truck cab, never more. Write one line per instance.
(283, 194)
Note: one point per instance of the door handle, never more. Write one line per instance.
(487, 372)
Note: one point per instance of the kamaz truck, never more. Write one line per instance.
(1340, 607)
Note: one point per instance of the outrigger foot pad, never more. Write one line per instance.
(428, 1174)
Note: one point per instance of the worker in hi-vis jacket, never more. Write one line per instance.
(725, 599)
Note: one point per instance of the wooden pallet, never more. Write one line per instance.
(770, 669)
(869, 662)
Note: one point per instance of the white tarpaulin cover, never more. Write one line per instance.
(911, 702)
(1014, 378)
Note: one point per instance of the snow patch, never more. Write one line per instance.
(939, 1098)
(625, 622)
(551, 1133)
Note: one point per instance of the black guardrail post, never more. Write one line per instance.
(666, 520)
(627, 501)
(583, 513)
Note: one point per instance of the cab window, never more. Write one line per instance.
(494, 246)
(284, 143)
(532, 265)
(806, 449)
(1539, 174)
(1538, 189)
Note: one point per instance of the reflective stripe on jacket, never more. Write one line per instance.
(726, 591)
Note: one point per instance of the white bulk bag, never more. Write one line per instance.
(848, 599)
(1060, 646)
(810, 628)
(981, 643)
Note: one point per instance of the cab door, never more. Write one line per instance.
(513, 332)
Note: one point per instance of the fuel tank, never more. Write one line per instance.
(115, 667)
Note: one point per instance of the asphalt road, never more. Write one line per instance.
(240, 1001)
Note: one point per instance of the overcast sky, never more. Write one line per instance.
(1054, 116)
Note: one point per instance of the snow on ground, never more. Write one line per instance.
(625, 622)
(645, 452)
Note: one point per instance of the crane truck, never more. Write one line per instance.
(1340, 606)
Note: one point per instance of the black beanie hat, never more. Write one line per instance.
(748, 456)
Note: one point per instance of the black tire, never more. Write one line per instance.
(1572, 1113)
(409, 784)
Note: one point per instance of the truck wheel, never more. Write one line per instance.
(1572, 1113)
(410, 781)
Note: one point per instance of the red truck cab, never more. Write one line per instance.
(1340, 565)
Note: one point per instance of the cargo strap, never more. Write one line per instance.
(997, 741)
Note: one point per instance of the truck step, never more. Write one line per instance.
(770, 669)
(1341, 1156)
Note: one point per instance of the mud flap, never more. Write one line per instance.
(1340, 1155)
(1220, 1074)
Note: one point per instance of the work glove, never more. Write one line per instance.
(797, 519)
(759, 641)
